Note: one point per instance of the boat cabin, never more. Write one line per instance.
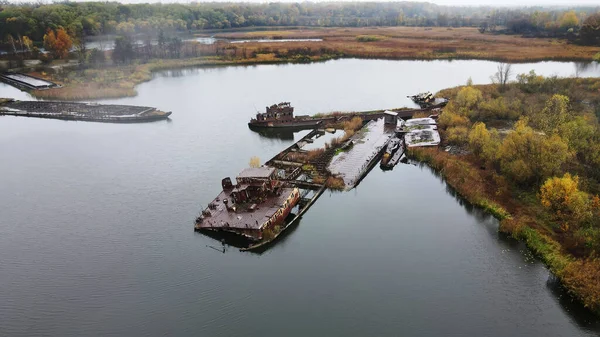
(277, 112)
(252, 183)
(390, 117)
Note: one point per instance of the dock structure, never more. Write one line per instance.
(27, 82)
(258, 206)
(367, 145)
(82, 111)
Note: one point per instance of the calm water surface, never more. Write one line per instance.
(96, 220)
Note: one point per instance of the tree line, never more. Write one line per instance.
(99, 18)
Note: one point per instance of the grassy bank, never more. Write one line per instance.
(379, 43)
(120, 81)
(424, 43)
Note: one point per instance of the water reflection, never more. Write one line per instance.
(570, 305)
(283, 134)
(584, 318)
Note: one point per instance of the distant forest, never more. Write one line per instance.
(99, 18)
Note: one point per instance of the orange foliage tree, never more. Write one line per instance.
(58, 43)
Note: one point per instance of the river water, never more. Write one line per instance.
(96, 226)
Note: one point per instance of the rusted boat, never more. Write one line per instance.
(427, 100)
(282, 116)
(254, 208)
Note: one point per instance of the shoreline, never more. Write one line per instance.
(141, 73)
(520, 224)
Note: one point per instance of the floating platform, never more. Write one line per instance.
(27, 82)
(91, 112)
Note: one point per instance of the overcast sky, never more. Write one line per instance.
(439, 2)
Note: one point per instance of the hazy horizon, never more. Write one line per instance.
(476, 3)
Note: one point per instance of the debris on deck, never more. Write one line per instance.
(258, 203)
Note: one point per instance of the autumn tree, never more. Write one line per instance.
(483, 142)
(569, 20)
(568, 204)
(529, 157)
(58, 43)
(457, 135)
(579, 132)
(478, 137)
(254, 162)
(466, 100)
(27, 44)
(554, 114)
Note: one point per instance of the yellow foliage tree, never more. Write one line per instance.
(468, 98)
(457, 135)
(568, 204)
(554, 114)
(528, 156)
(569, 20)
(479, 136)
(27, 43)
(450, 119)
(254, 162)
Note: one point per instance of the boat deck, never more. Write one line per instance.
(243, 218)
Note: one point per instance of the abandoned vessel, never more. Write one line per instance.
(426, 100)
(282, 116)
(393, 153)
(255, 208)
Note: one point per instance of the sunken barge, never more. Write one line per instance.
(74, 111)
(255, 208)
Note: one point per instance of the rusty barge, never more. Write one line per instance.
(254, 208)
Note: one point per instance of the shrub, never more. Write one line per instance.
(335, 183)
(450, 119)
(458, 135)
(468, 98)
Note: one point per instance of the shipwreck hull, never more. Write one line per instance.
(299, 125)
